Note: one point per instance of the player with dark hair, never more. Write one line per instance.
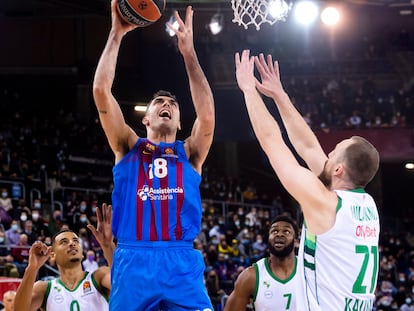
(156, 197)
(74, 289)
(338, 252)
(271, 282)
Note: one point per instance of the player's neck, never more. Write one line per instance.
(156, 139)
(71, 276)
(282, 267)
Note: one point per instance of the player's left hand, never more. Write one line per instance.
(184, 32)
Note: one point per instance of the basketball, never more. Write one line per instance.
(141, 12)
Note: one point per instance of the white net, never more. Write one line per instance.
(257, 12)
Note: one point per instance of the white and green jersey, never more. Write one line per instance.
(85, 297)
(272, 293)
(340, 266)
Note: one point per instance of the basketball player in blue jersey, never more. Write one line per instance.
(156, 199)
(338, 252)
(271, 282)
(73, 289)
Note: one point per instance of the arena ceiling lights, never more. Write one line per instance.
(307, 12)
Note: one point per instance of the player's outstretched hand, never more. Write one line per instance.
(103, 230)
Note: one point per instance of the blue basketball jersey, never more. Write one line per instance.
(156, 194)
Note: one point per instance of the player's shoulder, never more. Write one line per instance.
(40, 287)
(101, 272)
(248, 274)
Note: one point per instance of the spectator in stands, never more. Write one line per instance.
(8, 300)
(215, 232)
(251, 217)
(55, 223)
(84, 239)
(6, 260)
(245, 243)
(202, 236)
(211, 255)
(83, 222)
(37, 204)
(221, 268)
(224, 248)
(5, 200)
(20, 209)
(234, 226)
(235, 244)
(408, 305)
(28, 230)
(20, 254)
(90, 264)
(249, 194)
(213, 288)
(259, 246)
(13, 233)
(38, 223)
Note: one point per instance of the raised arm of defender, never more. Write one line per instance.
(301, 136)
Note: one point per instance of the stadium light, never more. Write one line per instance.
(330, 16)
(175, 25)
(306, 12)
(216, 24)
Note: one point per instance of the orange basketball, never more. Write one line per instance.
(141, 12)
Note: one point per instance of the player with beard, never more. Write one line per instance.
(338, 252)
(270, 283)
(74, 289)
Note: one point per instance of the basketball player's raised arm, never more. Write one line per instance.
(30, 295)
(120, 136)
(202, 132)
(103, 234)
(300, 134)
(103, 231)
(299, 181)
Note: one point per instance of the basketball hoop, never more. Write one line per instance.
(257, 12)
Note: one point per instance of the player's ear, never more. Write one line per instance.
(339, 169)
(296, 243)
(145, 121)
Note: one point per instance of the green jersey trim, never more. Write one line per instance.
(47, 292)
(269, 270)
(256, 288)
(77, 285)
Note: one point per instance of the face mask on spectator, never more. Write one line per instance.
(93, 209)
(83, 219)
(23, 217)
(4, 194)
(37, 205)
(83, 207)
(14, 227)
(91, 257)
(1, 239)
(35, 216)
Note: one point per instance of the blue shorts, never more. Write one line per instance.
(153, 276)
